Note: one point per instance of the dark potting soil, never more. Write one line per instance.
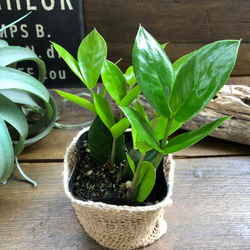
(93, 180)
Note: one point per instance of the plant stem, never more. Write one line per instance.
(159, 156)
(127, 164)
(112, 158)
(131, 190)
(157, 116)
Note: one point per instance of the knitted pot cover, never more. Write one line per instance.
(119, 227)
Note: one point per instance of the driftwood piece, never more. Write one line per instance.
(231, 100)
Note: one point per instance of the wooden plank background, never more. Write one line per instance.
(186, 25)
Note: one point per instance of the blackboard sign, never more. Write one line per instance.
(60, 21)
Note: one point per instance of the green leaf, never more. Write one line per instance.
(11, 79)
(104, 111)
(154, 71)
(6, 152)
(12, 114)
(114, 81)
(145, 181)
(3, 43)
(139, 108)
(162, 125)
(142, 127)
(130, 76)
(16, 21)
(131, 164)
(77, 100)
(130, 96)
(49, 123)
(14, 54)
(201, 77)
(70, 60)
(101, 140)
(91, 55)
(189, 138)
(180, 62)
(23, 98)
(119, 128)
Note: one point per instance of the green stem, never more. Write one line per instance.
(112, 158)
(92, 95)
(127, 164)
(159, 156)
(131, 190)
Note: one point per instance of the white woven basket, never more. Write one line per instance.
(119, 227)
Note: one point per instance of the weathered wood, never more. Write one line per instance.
(176, 22)
(210, 208)
(231, 100)
(53, 146)
(210, 197)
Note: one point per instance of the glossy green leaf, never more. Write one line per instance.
(77, 100)
(162, 125)
(142, 127)
(12, 114)
(6, 152)
(119, 128)
(131, 164)
(140, 109)
(114, 81)
(130, 76)
(180, 62)
(91, 55)
(154, 71)
(70, 60)
(189, 138)
(104, 111)
(201, 77)
(130, 96)
(145, 181)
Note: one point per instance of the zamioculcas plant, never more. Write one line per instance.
(176, 92)
(27, 110)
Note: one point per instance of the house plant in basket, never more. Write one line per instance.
(119, 209)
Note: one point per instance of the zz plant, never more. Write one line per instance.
(176, 92)
(27, 110)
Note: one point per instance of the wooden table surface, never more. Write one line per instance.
(211, 201)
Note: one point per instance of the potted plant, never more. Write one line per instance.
(27, 110)
(176, 92)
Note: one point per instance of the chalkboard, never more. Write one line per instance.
(60, 21)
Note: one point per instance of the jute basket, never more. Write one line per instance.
(119, 227)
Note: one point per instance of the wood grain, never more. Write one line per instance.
(53, 147)
(210, 208)
(210, 198)
(186, 25)
(231, 100)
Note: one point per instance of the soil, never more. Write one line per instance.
(95, 181)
